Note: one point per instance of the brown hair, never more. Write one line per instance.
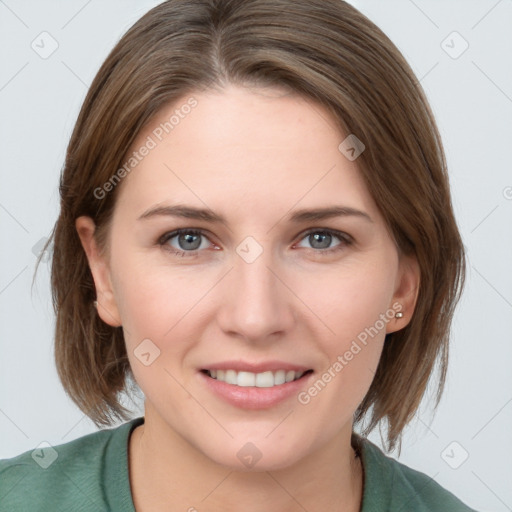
(324, 50)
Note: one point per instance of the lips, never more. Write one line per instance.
(255, 385)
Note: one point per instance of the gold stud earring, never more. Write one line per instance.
(399, 314)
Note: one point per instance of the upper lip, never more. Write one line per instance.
(264, 366)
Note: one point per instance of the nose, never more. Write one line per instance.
(256, 304)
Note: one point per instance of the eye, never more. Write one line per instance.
(187, 242)
(321, 239)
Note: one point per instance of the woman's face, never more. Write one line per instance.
(269, 288)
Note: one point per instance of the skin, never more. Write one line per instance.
(254, 156)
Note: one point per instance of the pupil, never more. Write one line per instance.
(189, 238)
(322, 237)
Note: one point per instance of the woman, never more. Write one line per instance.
(256, 228)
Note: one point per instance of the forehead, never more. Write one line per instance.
(253, 147)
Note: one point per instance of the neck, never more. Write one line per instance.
(168, 473)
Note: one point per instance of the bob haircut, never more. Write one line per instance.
(325, 51)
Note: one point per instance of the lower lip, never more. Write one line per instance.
(253, 397)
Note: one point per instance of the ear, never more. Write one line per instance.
(406, 292)
(107, 306)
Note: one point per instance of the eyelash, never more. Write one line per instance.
(345, 240)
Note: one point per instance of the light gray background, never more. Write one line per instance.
(471, 95)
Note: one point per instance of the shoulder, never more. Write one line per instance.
(391, 485)
(69, 476)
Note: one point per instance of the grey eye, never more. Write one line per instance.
(189, 241)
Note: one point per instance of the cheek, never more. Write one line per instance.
(350, 301)
(153, 310)
(354, 308)
(160, 304)
(153, 297)
(353, 305)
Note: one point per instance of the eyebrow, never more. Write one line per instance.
(297, 216)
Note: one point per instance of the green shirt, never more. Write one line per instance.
(91, 474)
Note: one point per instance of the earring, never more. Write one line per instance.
(95, 304)
(399, 314)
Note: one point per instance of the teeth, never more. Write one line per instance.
(279, 377)
(246, 379)
(230, 377)
(264, 380)
(260, 380)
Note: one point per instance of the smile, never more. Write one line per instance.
(266, 379)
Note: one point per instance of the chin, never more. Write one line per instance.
(254, 456)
